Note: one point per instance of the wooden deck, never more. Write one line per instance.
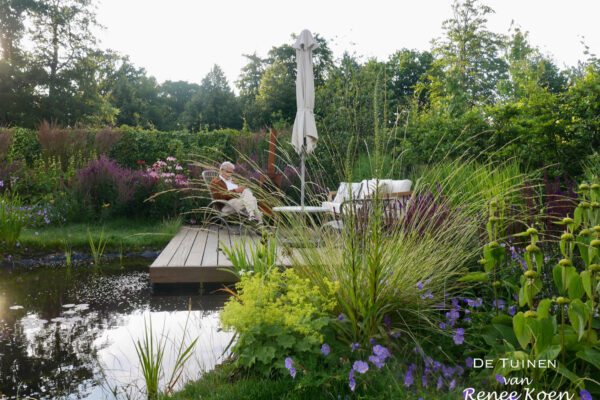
(194, 255)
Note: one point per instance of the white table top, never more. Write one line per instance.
(300, 209)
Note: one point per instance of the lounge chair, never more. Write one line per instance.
(214, 211)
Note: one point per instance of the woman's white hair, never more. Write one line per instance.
(225, 165)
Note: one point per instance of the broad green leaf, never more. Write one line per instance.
(557, 275)
(545, 333)
(590, 355)
(543, 309)
(550, 353)
(265, 354)
(563, 248)
(577, 217)
(586, 281)
(582, 245)
(286, 341)
(523, 296)
(475, 277)
(539, 260)
(522, 332)
(566, 372)
(578, 316)
(502, 319)
(575, 287)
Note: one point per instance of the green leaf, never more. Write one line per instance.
(543, 309)
(578, 316)
(575, 287)
(590, 355)
(582, 244)
(586, 281)
(550, 353)
(557, 274)
(578, 215)
(265, 354)
(566, 372)
(523, 296)
(286, 341)
(475, 277)
(539, 260)
(545, 333)
(522, 333)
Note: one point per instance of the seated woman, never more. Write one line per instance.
(239, 198)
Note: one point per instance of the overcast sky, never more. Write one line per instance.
(183, 39)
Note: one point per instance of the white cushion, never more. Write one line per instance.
(399, 186)
(332, 206)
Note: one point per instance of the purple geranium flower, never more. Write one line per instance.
(459, 336)
(341, 317)
(512, 311)
(381, 351)
(360, 366)
(325, 349)
(352, 382)
(469, 362)
(289, 363)
(377, 361)
(408, 378)
(500, 379)
(585, 395)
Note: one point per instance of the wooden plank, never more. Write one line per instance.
(183, 251)
(165, 256)
(224, 240)
(210, 258)
(198, 248)
(189, 275)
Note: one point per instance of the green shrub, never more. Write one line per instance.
(277, 316)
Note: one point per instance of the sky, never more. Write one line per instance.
(183, 39)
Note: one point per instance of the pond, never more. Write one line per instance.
(70, 332)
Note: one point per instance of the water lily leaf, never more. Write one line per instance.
(522, 332)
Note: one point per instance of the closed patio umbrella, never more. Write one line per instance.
(304, 134)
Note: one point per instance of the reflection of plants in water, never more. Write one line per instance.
(150, 352)
(68, 253)
(97, 249)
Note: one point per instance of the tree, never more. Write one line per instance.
(405, 69)
(174, 96)
(63, 38)
(468, 60)
(214, 105)
(135, 95)
(267, 86)
(18, 100)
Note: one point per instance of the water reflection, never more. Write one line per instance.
(70, 332)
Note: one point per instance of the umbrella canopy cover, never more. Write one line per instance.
(304, 125)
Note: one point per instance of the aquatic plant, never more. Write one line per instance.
(151, 351)
(97, 248)
(12, 218)
(258, 259)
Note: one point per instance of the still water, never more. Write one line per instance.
(70, 332)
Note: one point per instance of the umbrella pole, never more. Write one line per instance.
(302, 168)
